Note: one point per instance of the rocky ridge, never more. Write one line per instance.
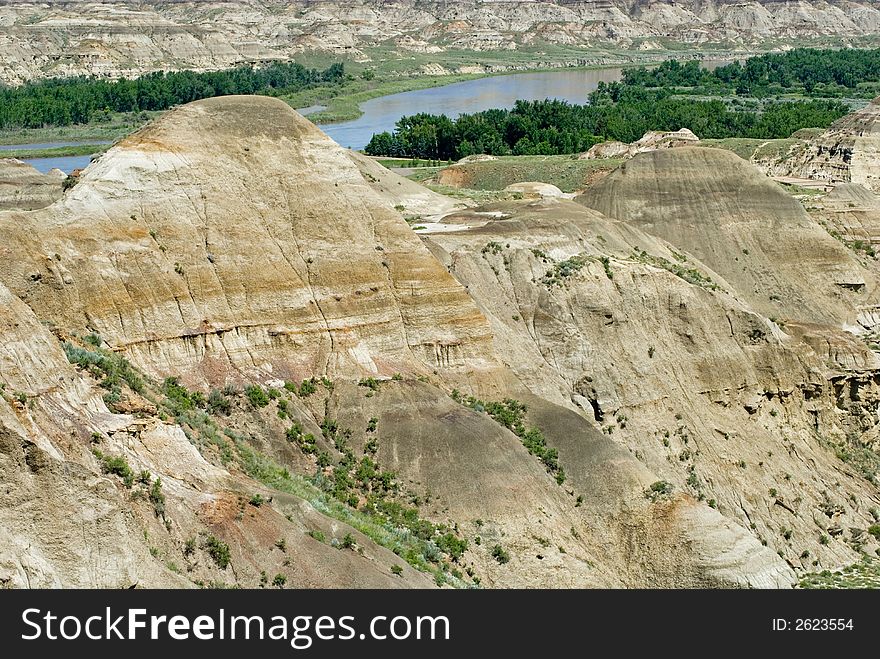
(73, 37)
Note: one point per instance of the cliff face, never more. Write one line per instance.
(127, 38)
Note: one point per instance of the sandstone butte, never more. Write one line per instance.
(685, 335)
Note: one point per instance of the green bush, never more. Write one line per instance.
(370, 383)
(500, 555)
(109, 367)
(658, 489)
(218, 550)
(157, 498)
(256, 395)
(116, 465)
(452, 545)
(218, 403)
(180, 399)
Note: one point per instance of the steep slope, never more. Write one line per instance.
(231, 243)
(67, 523)
(712, 397)
(722, 210)
(238, 225)
(73, 37)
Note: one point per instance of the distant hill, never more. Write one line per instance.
(127, 38)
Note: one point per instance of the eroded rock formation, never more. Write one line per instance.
(73, 37)
(659, 429)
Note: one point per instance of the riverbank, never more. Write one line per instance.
(55, 152)
(385, 74)
(343, 103)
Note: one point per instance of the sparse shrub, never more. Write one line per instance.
(450, 544)
(874, 530)
(218, 550)
(307, 388)
(157, 498)
(279, 580)
(218, 403)
(396, 570)
(370, 383)
(110, 368)
(492, 247)
(257, 397)
(257, 500)
(317, 535)
(116, 465)
(658, 489)
(347, 541)
(372, 424)
(500, 555)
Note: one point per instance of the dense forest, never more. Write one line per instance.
(735, 100)
(820, 73)
(67, 101)
(615, 112)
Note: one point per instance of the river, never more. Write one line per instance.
(380, 114)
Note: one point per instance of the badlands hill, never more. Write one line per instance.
(527, 394)
(845, 153)
(743, 226)
(24, 188)
(69, 37)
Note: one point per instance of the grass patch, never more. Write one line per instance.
(864, 574)
(690, 275)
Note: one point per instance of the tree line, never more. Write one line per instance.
(80, 100)
(814, 72)
(616, 111)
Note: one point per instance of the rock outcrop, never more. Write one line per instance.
(712, 397)
(232, 243)
(848, 152)
(22, 187)
(650, 141)
(742, 225)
